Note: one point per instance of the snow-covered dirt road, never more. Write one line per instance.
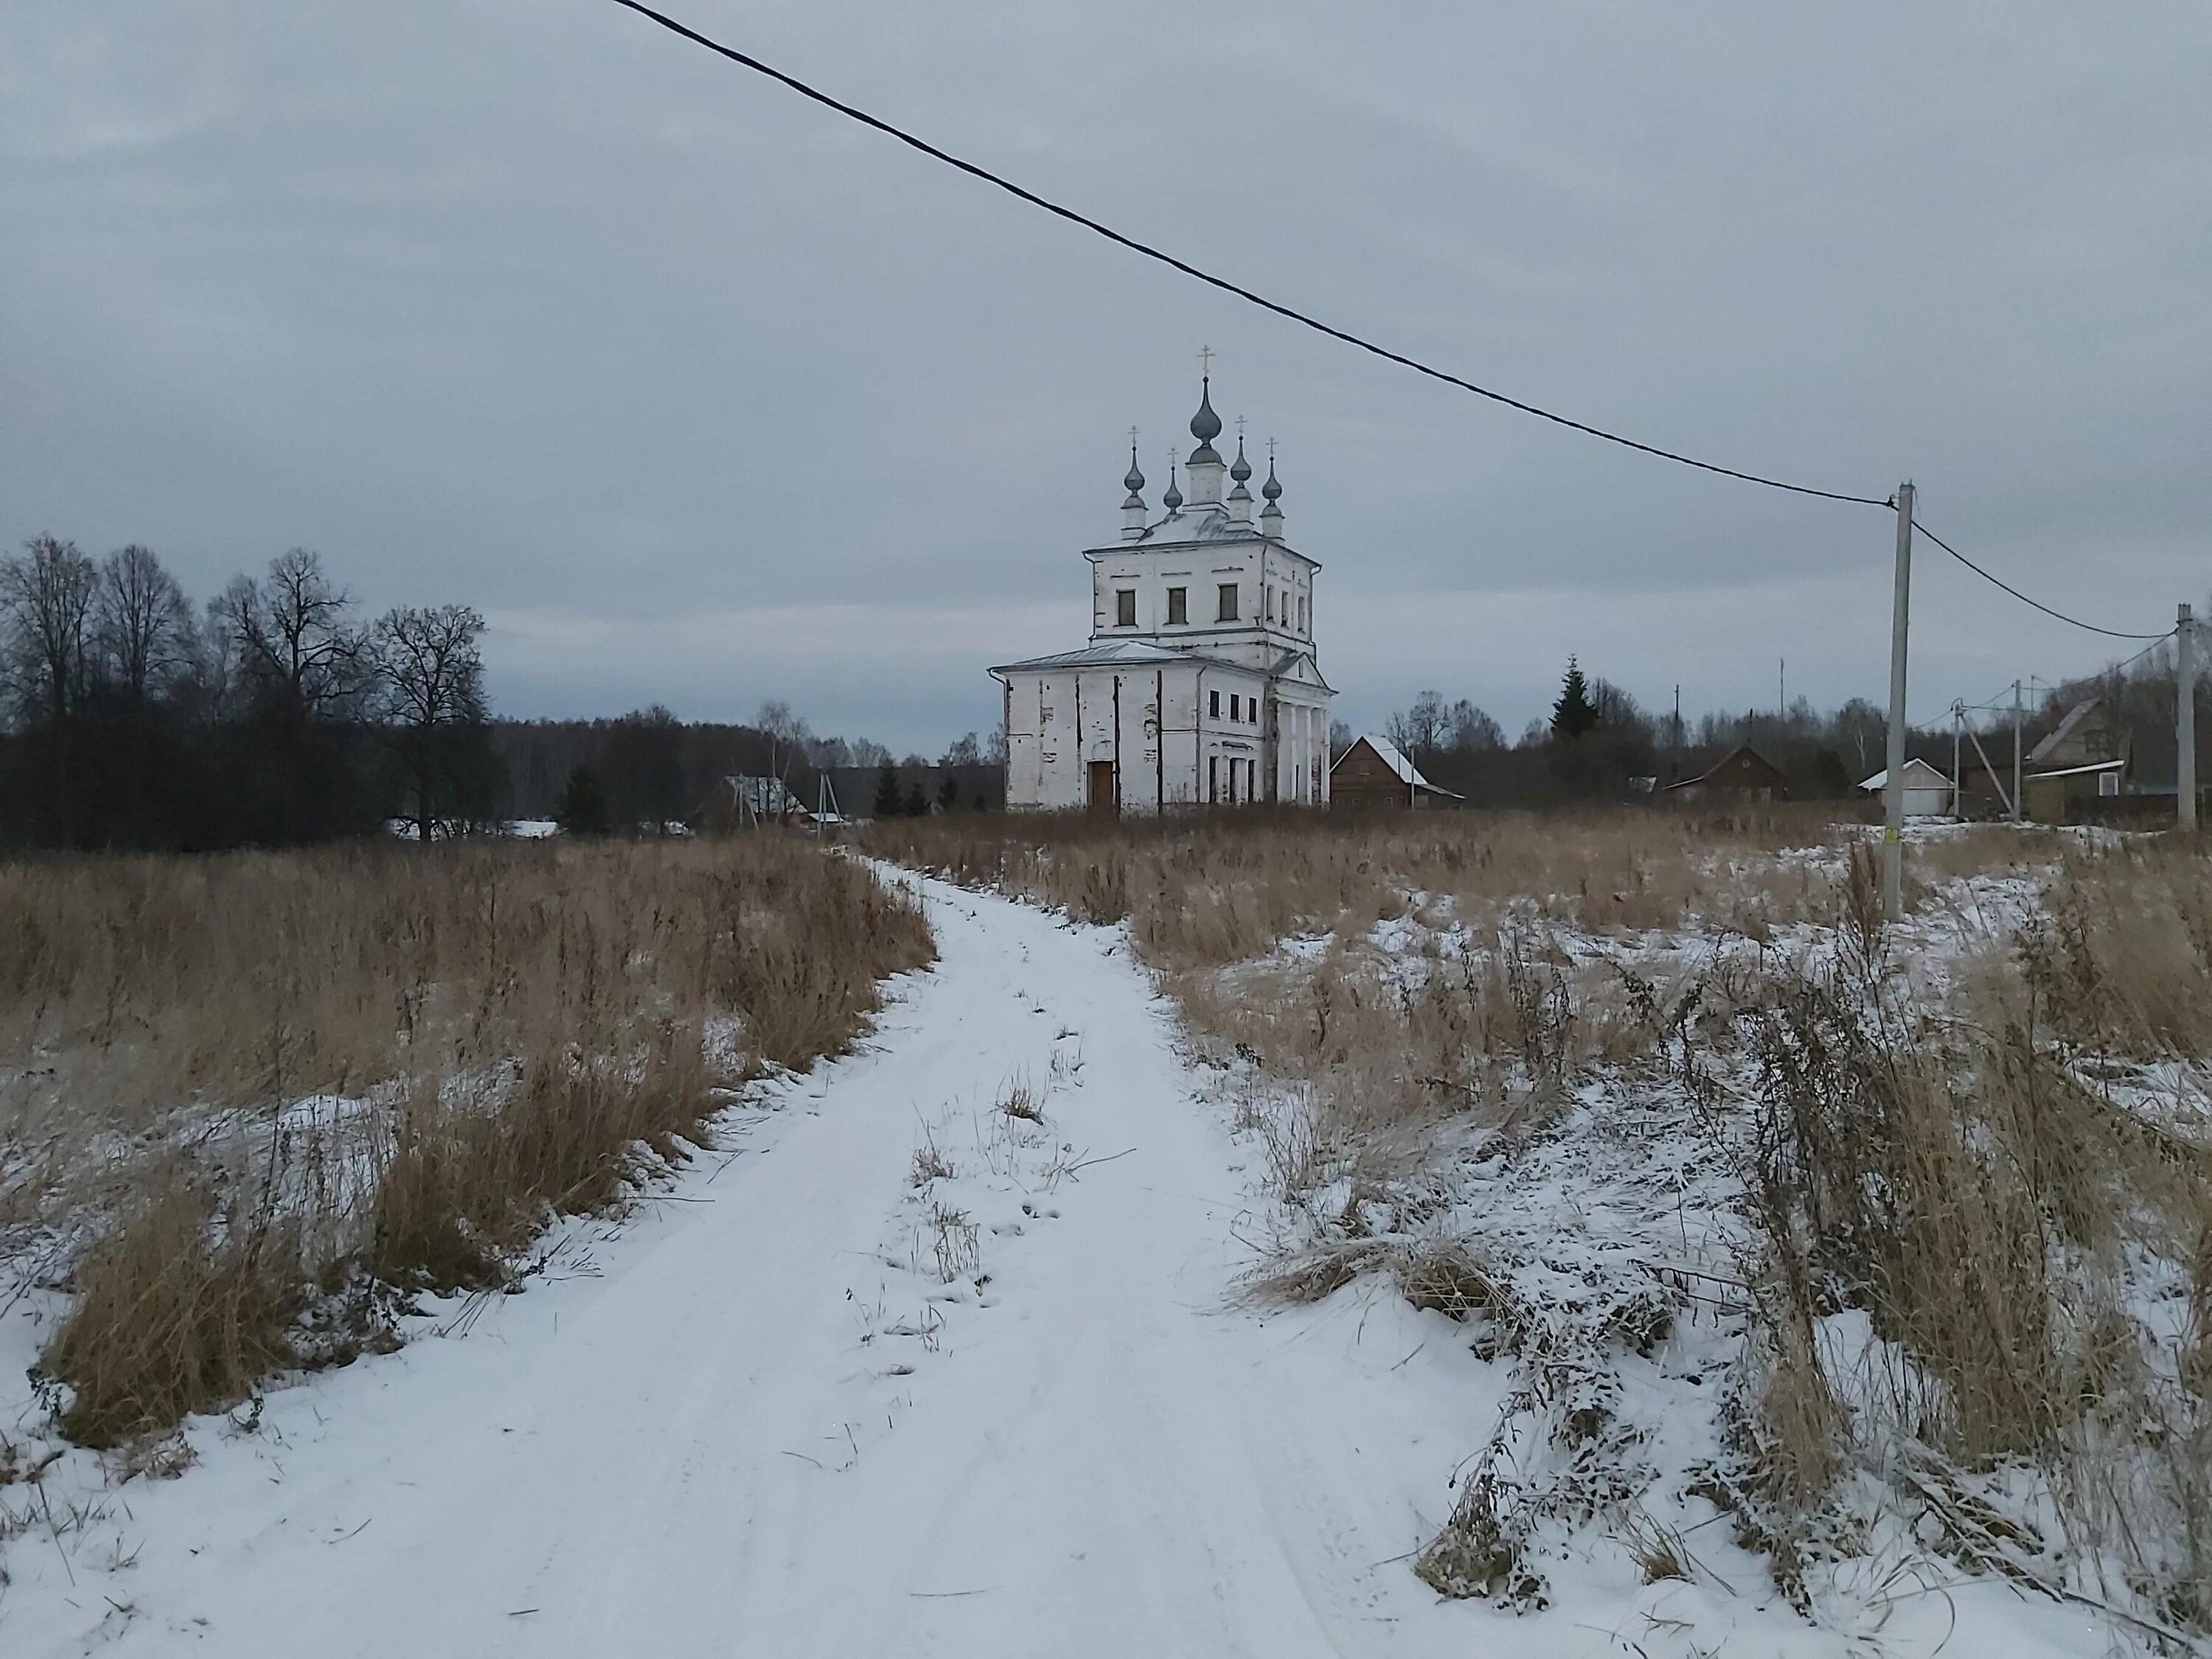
(804, 1407)
(763, 1421)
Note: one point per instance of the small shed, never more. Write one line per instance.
(1927, 791)
(1375, 772)
(1742, 773)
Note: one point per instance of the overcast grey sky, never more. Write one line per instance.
(705, 396)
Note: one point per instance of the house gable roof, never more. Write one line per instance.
(1395, 758)
(1918, 774)
(2069, 734)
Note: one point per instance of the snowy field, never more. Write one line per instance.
(901, 1372)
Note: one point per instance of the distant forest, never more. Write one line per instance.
(277, 714)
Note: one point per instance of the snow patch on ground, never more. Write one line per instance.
(823, 1396)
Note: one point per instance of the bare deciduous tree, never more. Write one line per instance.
(45, 613)
(142, 624)
(430, 680)
(1418, 731)
(291, 637)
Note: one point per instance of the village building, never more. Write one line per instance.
(1741, 775)
(1928, 792)
(1375, 772)
(1199, 685)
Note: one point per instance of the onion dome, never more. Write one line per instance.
(1135, 482)
(1205, 426)
(1173, 499)
(1240, 469)
(1271, 489)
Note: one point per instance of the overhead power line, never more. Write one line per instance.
(850, 111)
(1149, 251)
(2112, 633)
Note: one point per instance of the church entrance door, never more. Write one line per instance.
(1101, 787)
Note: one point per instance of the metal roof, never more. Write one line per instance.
(1395, 759)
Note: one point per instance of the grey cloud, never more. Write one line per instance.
(534, 308)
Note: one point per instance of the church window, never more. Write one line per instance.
(1271, 604)
(1213, 704)
(1213, 773)
(1301, 613)
(1233, 704)
(1228, 603)
(1178, 604)
(1124, 607)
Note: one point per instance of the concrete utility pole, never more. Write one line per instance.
(1958, 718)
(2185, 722)
(1893, 834)
(2019, 811)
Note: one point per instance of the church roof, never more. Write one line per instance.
(1113, 654)
(1286, 668)
(1197, 525)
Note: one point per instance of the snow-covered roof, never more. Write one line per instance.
(1191, 525)
(1916, 773)
(2078, 771)
(1109, 653)
(1395, 758)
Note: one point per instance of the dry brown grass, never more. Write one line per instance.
(2125, 961)
(1992, 1211)
(130, 986)
(183, 1305)
(513, 1024)
(1203, 890)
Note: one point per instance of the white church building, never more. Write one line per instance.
(1199, 685)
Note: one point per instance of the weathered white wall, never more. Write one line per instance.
(1062, 720)
(1262, 572)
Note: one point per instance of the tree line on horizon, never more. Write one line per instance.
(1599, 739)
(275, 715)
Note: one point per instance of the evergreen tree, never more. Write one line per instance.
(948, 791)
(1574, 713)
(583, 808)
(917, 804)
(887, 794)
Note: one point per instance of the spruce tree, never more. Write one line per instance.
(948, 791)
(583, 808)
(887, 794)
(917, 804)
(1574, 713)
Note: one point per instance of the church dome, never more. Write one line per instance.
(1173, 499)
(1240, 469)
(1205, 425)
(1135, 481)
(1271, 489)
